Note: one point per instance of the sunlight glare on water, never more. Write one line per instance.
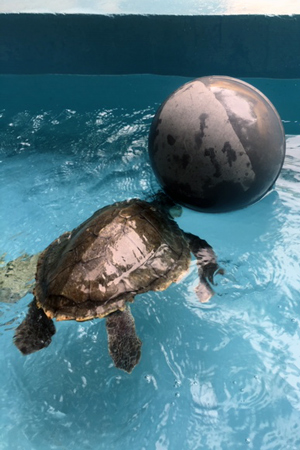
(220, 375)
(188, 7)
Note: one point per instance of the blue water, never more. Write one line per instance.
(218, 376)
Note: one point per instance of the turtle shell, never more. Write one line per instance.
(124, 249)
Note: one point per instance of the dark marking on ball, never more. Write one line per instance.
(210, 152)
(230, 153)
(171, 140)
(203, 125)
(200, 134)
(198, 139)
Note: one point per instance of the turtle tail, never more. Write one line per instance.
(35, 332)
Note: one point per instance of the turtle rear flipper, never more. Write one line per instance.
(207, 265)
(123, 343)
(35, 332)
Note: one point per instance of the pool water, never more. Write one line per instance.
(214, 376)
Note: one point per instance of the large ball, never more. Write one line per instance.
(216, 144)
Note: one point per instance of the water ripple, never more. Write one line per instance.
(214, 376)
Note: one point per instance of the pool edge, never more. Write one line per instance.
(233, 45)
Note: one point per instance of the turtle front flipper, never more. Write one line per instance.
(123, 343)
(35, 332)
(207, 265)
(17, 277)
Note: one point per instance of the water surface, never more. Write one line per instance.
(221, 375)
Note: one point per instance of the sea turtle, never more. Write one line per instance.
(94, 271)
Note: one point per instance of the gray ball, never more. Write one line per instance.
(216, 144)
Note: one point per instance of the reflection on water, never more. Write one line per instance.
(220, 375)
(155, 6)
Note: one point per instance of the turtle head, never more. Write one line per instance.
(163, 201)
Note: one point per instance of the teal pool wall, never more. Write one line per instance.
(192, 46)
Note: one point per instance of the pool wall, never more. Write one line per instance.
(234, 45)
